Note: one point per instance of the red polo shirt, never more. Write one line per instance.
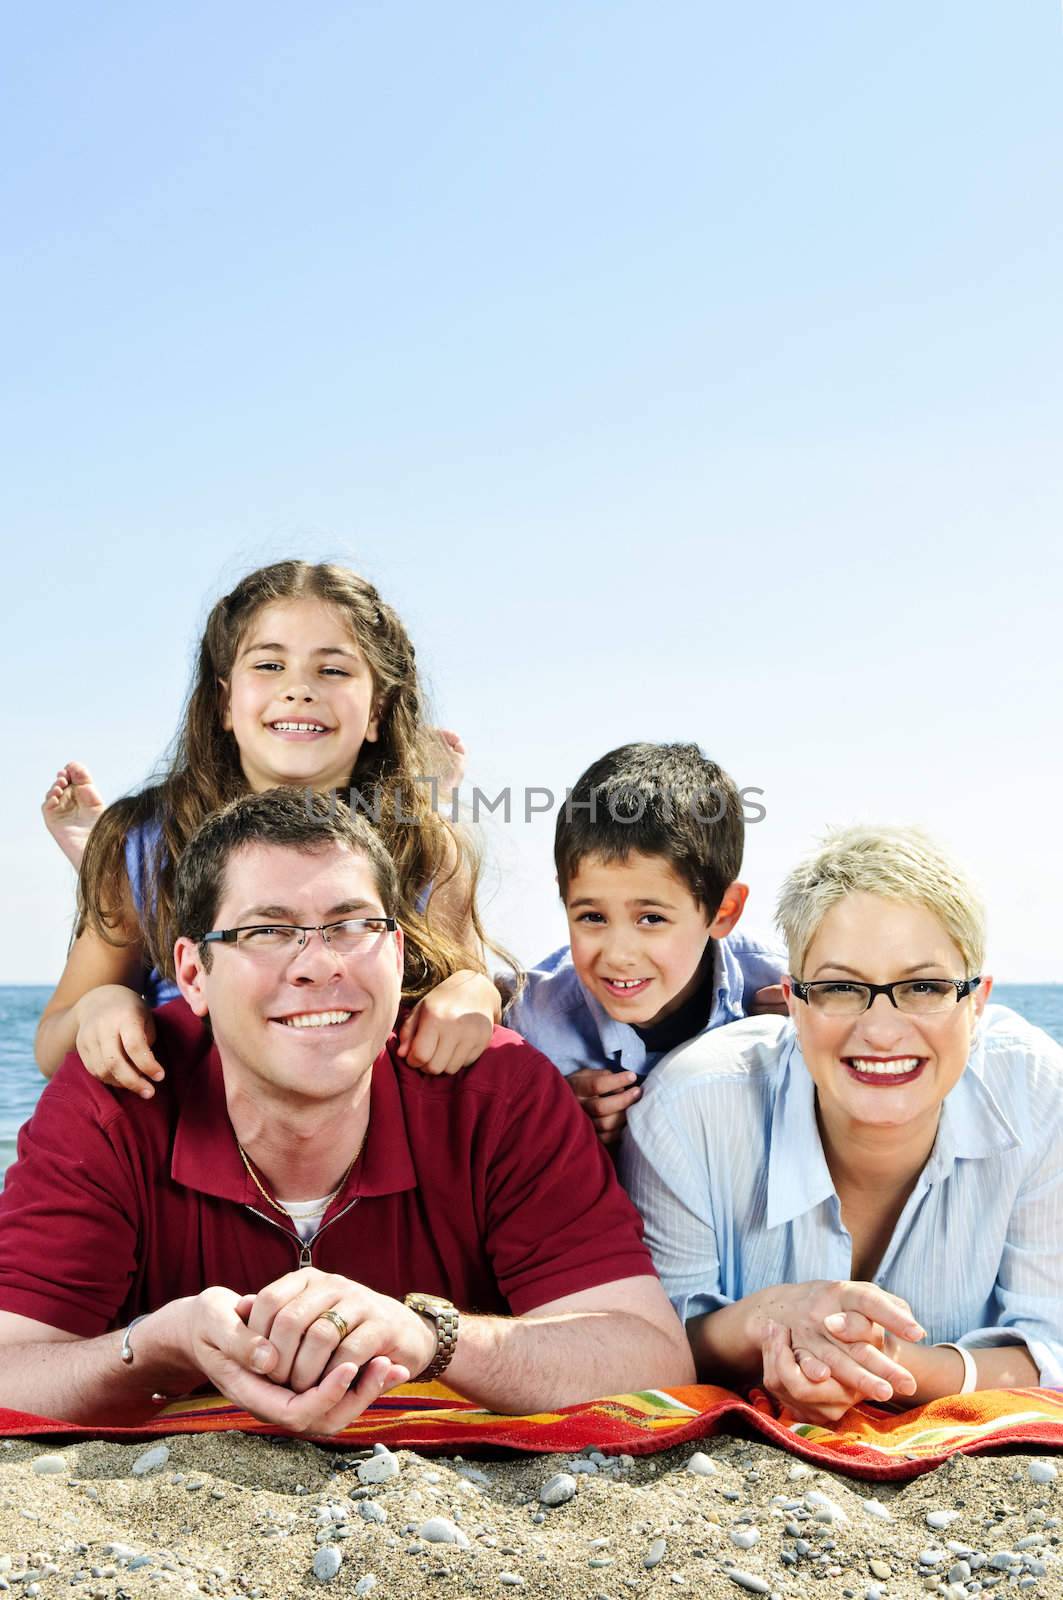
(488, 1187)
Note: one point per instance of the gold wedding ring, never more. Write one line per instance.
(339, 1322)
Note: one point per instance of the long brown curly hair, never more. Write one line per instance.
(203, 772)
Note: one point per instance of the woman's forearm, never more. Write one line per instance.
(724, 1343)
(939, 1370)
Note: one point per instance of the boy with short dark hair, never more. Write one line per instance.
(648, 848)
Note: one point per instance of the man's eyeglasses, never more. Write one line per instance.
(919, 997)
(347, 938)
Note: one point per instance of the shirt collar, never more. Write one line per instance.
(798, 1176)
(206, 1157)
(972, 1126)
(973, 1123)
(620, 1039)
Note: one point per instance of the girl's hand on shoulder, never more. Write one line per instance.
(605, 1097)
(115, 1033)
(452, 1026)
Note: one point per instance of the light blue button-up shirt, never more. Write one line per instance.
(724, 1160)
(557, 1015)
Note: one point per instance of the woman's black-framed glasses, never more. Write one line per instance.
(347, 937)
(838, 997)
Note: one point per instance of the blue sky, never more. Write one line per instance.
(677, 370)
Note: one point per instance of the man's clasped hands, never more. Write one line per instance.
(826, 1346)
(283, 1355)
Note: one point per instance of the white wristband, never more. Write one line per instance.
(970, 1371)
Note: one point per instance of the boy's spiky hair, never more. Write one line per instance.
(666, 800)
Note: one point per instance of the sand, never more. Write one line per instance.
(234, 1515)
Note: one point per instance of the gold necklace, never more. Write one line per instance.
(271, 1200)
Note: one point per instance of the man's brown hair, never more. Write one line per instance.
(296, 820)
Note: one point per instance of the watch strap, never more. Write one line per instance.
(444, 1315)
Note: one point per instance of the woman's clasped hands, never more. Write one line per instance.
(826, 1346)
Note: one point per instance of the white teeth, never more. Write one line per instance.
(317, 1019)
(300, 727)
(885, 1069)
(624, 983)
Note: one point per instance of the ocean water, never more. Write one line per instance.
(21, 1082)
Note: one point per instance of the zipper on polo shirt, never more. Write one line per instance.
(304, 1248)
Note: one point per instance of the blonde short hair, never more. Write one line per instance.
(895, 863)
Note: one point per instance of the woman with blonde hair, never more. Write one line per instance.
(866, 1201)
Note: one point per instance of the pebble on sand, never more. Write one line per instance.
(702, 1465)
(1042, 1471)
(825, 1509)
(655, 1553)
(150, 1460)
(440, 1530)
(327, 1562)
(380, 1468)
(556, 1490)
(47, 1464)
(749, 1581)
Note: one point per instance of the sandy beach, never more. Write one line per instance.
(235, 1515)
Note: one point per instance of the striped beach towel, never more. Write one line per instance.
(866, 1443)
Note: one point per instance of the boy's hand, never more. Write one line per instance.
(115, 1033)
(451, 1027)
(769, 1002)
(605, 1097)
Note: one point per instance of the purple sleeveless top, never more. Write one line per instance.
(144, 855)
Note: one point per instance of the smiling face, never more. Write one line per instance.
(306, 1025)
(301, 700)
(883, 1069)
(638, 935)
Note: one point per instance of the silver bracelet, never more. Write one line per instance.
(126, 1351)
(970, 1371)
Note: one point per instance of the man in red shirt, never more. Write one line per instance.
(292, 1215)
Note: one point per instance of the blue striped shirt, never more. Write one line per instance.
(555, 1013)
(724, 1160)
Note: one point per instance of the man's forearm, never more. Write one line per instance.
(86, 1380)
(524, 1364)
